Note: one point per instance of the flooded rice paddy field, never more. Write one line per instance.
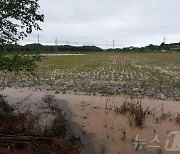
(101, 129)
(91, 89)
(155, 75)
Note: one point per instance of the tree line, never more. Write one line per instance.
(151, 48)
(39, 48)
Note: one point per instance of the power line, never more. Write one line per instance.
(43, 38)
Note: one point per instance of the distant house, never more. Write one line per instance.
(163, 50)
(175, 47)
(131, 48)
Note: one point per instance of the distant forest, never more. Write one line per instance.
(39, 48)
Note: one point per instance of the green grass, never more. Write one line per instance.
(154, 75)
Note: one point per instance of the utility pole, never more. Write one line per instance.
(76, 43)
(113, 44)
(164, 39)
(56, 42)
(67, 42)
(38, 38)
(164, 46)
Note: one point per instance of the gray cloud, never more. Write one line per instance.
(128, 22)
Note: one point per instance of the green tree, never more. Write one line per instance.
(18, 18)
(17, 64)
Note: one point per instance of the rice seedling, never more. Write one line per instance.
(155, 75)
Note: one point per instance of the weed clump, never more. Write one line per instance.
(125, 108)
(178, 119)
(23, 132)
(5, 110)
(103, 147)
(135, 111)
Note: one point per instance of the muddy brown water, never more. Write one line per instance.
(109, 133)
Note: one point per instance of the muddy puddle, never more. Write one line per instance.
(105, 131)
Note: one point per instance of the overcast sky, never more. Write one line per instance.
(99, 22)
